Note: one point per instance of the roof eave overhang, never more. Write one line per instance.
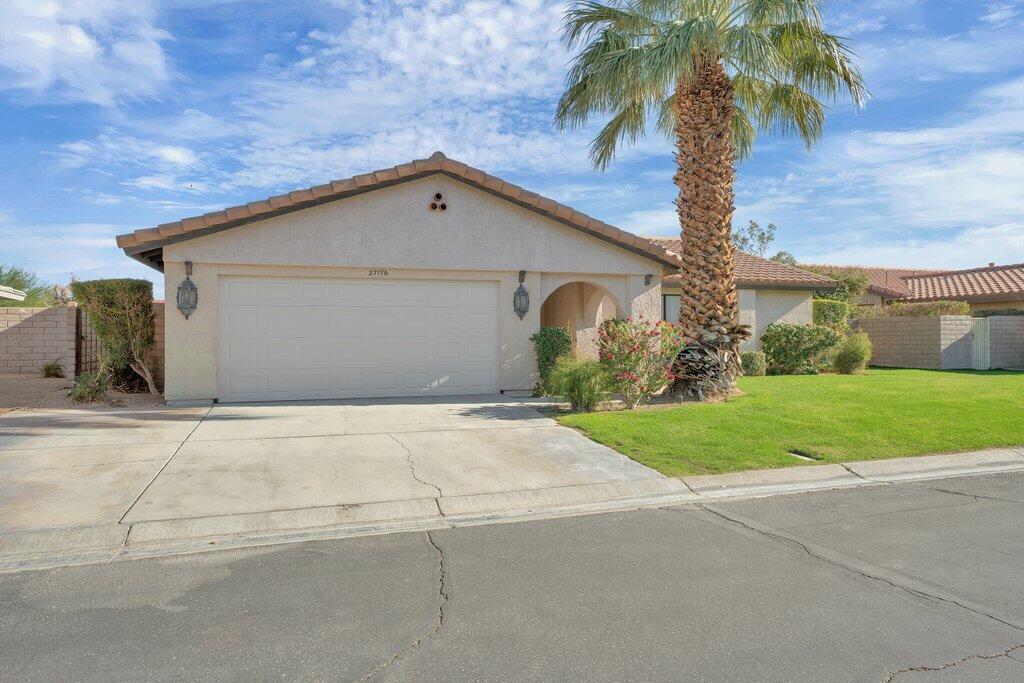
(969, 298)
(791, 286)
(151, 253)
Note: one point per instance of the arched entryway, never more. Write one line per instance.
(579, 307)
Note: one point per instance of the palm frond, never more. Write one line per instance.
(743, 133)
(766, 12)
(667, 116)
(628, 124)
(587, 19)
(818, 61)
(787, 110)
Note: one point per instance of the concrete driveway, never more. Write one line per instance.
(64, 469)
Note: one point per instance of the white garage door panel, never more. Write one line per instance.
(291, 338)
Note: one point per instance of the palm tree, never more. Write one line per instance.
(711, 73)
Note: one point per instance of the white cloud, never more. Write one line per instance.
(969, 248)
(89, 249)
(1000, 13)
(93, 51)
(163, 167)
(179, 156)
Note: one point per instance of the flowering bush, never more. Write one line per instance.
(638, 354)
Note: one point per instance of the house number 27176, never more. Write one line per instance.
(378, 272)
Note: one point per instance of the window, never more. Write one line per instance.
(670, 307)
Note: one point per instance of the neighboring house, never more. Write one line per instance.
(990, 288)
(768, 292)
(401, 282)
(884, 284)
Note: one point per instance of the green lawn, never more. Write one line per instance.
(883, 413)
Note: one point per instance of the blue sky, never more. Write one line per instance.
(123, 115)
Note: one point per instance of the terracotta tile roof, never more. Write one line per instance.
(991, 283)
(885, 282)
(752, 270)
(146, 245)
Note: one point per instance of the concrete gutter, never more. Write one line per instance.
(117, 542)
(11, 293)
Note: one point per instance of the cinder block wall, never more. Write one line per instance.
(1006, 339)
(928, 342)
(158, 347)
(30, 337)
(955, 339)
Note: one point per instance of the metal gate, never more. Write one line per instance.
(980, 344)
(87, 344)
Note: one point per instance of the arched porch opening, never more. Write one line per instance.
(580, 308)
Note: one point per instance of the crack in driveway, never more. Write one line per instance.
(412, 467)
(949, 665)
(440, 616)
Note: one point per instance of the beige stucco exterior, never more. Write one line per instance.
(479, 237)
(759, 308)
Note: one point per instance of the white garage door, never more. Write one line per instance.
(291, 338)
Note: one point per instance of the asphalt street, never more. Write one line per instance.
(908, 581)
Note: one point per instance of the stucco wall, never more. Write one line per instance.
(998, 306)
(30, 337)
(759, 308)
(479, 237)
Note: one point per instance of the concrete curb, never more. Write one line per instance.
(938, 466)
(788, 480)
(456, 508)
(41, 549)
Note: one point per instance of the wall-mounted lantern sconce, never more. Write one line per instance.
(188, 293)
(647, 280)
(521, 298)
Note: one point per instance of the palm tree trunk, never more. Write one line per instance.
(708, 312)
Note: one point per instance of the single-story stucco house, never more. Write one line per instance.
(987, 288)
(768, 291)
(428, 278)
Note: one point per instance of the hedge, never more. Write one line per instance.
(121, 313)
(923, 308)
(798, 349)
(831, 313)
(550, 343)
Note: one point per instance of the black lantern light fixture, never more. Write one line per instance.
(188, 293)
(521, 298)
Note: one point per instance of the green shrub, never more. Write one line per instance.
(121, 313)
(798, 349)
(90, 386)
(755, 363)
(831, 313)
(52, 369)
(639, 355)
(930, 308)
(37, 294)
(925, 308)
(852, 284)
(550, 343)
(853, 354)
(583, 382)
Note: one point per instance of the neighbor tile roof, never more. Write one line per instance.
(752, 270)
(991, 283)
(888, 283)
(146, 245)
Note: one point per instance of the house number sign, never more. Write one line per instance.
(379, 272)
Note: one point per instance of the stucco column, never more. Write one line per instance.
(644, 300)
